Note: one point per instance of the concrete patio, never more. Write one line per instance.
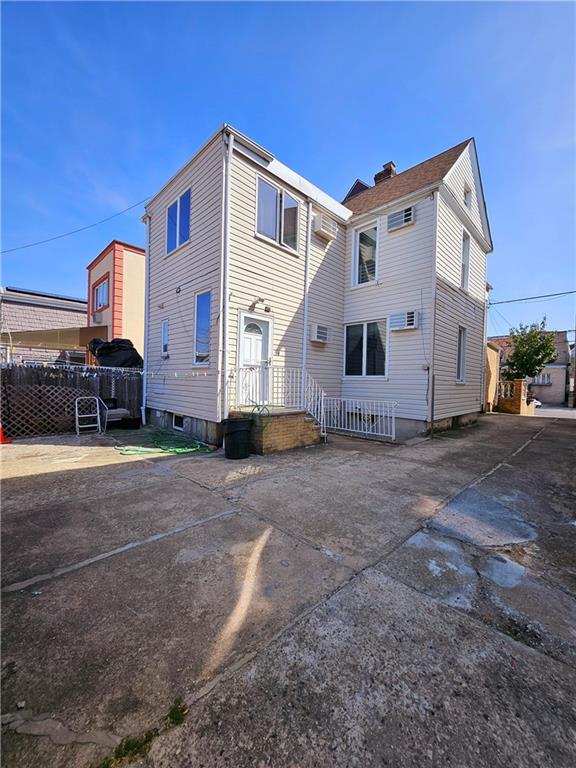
(354, 604)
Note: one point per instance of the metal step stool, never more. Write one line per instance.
(91, 419)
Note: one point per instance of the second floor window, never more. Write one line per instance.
(277, 215)
(465, 265)
(178, 222)
(101, 295)
(365, 247)
(202, 329)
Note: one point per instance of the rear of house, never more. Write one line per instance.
(262, 289)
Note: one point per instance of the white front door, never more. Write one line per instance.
(254, 361)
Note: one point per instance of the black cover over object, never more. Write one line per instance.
(118, 353)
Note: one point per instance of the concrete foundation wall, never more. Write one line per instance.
(206, 431)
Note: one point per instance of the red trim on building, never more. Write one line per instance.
(118, 290)
(109, 247)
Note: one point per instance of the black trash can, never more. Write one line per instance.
(237, 438)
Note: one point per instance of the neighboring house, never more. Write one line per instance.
(116, 280)
(381, 297)
(550, 386)
(41, 327)
(492, 375)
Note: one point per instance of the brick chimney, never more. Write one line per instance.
(387, 172)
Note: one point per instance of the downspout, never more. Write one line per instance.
(432, 379)
(225, 269)
(146, 220)
(305, 318)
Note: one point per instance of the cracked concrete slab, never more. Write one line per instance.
(480, 519)
(109, 647)
(120, 641)
(381, 675)
(38, 540)
(490, 586)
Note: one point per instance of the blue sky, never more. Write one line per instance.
(102, 102)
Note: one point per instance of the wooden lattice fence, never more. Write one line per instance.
(40, 400)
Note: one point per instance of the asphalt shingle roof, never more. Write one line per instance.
(407, 182)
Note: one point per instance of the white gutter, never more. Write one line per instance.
(306, 273)
(431, 375)
(225, 269)
(146, 220)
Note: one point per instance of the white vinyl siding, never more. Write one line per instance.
(456, 310)
(262, 276)
(174, 281)
(326, 306)
(461, 178)
(465, 262)
(449, 254)
(405, 283)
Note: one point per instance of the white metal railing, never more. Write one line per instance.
(367, 418)
(279, 387)
(274, 386)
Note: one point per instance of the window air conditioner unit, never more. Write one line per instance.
(97, 318)
(404, 321)
(320, 333)
(325, 227)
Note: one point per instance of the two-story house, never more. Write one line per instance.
(262, 289)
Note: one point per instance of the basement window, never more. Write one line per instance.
(178, 422)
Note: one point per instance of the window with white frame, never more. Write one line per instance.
(101, 295)
(365, 248)
(467, 196)
(366, 349)
(277, 216)
(461, 358)
(202, 329)
(178, 222)
(465, 262)
(165, 331)
(178, 422)
(543, 379)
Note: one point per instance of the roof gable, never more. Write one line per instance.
(418, 177)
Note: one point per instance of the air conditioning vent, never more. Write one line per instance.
(404, 321)
(401, 219)
(319, 333)
(325, 227)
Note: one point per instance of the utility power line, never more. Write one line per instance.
(532, 298)
(74, 231)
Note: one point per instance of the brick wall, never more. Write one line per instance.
(282, 431)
